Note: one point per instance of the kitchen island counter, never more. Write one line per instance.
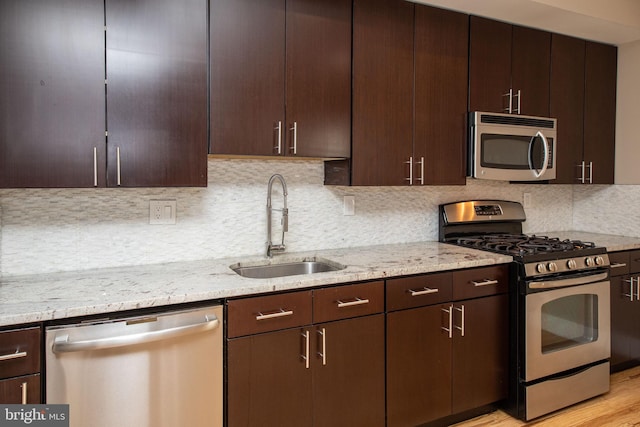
(35, 298)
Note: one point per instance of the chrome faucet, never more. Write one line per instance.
(271, 248)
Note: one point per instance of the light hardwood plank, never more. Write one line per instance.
(618, 408)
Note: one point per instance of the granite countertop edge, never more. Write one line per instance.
(27, 299)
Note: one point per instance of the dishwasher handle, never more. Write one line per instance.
(62, 344)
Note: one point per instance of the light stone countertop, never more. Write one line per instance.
(35, 298)
(611, 242)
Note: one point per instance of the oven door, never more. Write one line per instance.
(566, 327)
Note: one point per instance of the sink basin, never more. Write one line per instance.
(286, 268)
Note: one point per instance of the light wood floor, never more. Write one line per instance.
(618, 408)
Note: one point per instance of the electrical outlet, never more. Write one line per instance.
(162, 211)
(349, 205)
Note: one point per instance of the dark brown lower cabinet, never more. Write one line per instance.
(13, 390)
(625, 309)
(20, 368)
(270, 382)
(446, 357)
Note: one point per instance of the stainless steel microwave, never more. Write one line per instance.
(509, 147)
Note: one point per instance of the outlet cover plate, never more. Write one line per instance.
(162, 211)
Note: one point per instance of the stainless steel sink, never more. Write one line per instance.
(286, 268)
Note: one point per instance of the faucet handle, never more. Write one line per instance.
(285, 220)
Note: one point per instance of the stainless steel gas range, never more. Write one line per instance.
(559, 306)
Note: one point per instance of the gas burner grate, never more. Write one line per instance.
(521, 244)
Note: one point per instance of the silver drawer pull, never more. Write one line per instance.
(618, 265)
(485, 283)
(423, 291)
(281, 313)
(357, 301)
(16, 355)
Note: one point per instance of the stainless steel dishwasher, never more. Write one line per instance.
(157, 370)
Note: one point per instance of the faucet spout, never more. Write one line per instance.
(277, 248)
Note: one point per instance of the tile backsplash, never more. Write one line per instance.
(48, 230)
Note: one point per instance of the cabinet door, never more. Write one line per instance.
(15, 390)
(441, 68)
(418, 365)
(480, 352)
(600, 111)
(382, 92)
(530, 62)
(625, 318)
(318, 86)
(489, 65)
(52, 101)
(156, 93)
(567, 105)
(348, 373)
(269, 380)
(247, 40)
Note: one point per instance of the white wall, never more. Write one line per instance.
(628, 115)
(74, 229)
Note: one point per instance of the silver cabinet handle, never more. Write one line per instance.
(486, 282)
(518, 109)
(294, 128)
(510, 95)
(356, 301)
(95, 166)
(24, 393)
(279, 146)
(62, 344)
(618, 265)
(410, 163)
(461, 327)
(423, 291)
(118, 169)
(12, 356)
(323, 353)
(305, 356)
(280, 313)
(421, 170)
(590, 172)
(582, 172)
(631, 294)
(449, 330)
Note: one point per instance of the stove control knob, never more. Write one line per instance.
(588, 262)
(571, 264)
(541, 268)
(552, 266)
(599, 260)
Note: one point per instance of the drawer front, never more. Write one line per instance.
(634, 262)
(268, 313)
(19, 352)
(620, 263)
(21, 390)
(343, 302)
(480, 282)
(418, 291)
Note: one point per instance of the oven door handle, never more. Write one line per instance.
(559, 283)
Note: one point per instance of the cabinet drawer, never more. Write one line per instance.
(634, 262)
(619, 263)
(14, 390)
(480, 282)
(342, 302)
(268, 313)
(19, 352)
(417, 291)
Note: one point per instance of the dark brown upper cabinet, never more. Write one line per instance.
(54, 115)
(409, 95)
(281, 78)
(52, 108)
(156, 93)
(583, 99)
(508, 68)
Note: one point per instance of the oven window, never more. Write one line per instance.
(569, 321)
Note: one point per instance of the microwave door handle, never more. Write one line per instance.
(545, 162)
